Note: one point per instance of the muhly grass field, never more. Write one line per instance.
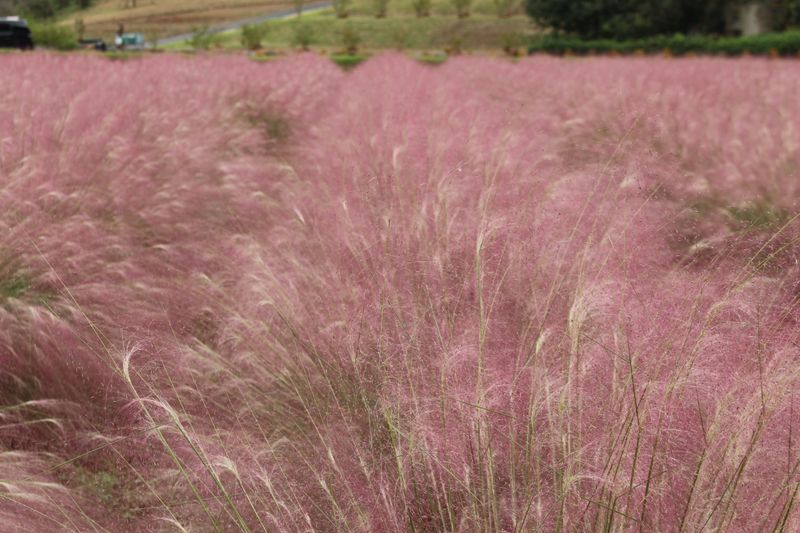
(552, 295)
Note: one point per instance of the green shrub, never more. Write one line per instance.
(401, 38)
(202, 38)
(462, 8)
(350, 39)
(455, 45)
(434, 59)
(341, 8)
(50, 35)
(785, 44)
(347, 61)
(152, 38)
(512, 42)
(303, 36)
(422, 8)
(381, 7)
(253, 35)
(80, 27)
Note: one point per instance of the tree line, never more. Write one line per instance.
(626, 19)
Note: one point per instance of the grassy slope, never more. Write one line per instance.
(168, 17)
(483, 29)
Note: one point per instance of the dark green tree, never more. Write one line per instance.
(622, 19)
(789, 14)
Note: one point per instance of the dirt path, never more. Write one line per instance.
(275, 15)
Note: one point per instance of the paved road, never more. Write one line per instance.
(285, 13)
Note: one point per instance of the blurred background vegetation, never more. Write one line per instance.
(625, 19)
(352, 27)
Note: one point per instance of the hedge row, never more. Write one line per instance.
(50, 35)
(785, 43)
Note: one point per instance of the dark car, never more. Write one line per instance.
(14, 33)
(93, 44)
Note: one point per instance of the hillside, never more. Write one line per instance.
(158, 18)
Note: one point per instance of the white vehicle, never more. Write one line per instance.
(129, 41)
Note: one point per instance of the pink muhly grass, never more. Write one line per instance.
(551, 295)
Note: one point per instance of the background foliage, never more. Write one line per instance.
(624, 19)
(784, 44)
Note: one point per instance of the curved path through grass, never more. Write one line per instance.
(235, 25)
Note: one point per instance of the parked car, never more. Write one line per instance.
(130, 41)
(93, 44)
(15, 33)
